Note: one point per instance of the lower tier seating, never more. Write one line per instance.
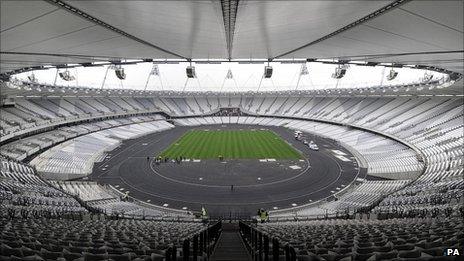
(24, 194)
(108, 201)
(67, 239)
(393, 239)
(75, 158)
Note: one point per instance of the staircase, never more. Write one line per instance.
(230, 246)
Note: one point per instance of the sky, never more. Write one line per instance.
(246, 77)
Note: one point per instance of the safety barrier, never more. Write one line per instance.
(264, 247)
(197, 247)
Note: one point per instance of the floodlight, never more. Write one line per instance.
(340, 71)
(119, 71)
(66, 76)
(190, 70)
(392, 75)
(268, 71)
(427, 78)
(32, 78)
(229, 74)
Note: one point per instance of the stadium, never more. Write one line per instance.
(231, 130)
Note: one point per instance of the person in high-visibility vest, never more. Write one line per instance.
(125, 196)
(204, 214)
(263, 216)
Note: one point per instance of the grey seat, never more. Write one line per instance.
(409, 254)
(386, 255)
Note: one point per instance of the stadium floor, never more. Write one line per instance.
(208, 183)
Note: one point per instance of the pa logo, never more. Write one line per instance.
(452, 252)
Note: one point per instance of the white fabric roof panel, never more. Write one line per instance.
(61, 32)
(70, 42)
(14, 13)
(116, 47)
(189, 28)
(447, 13)
(47, 27)
(363, 41)
(268, 28)
(418, 29)
(402, 30)
(263, 29)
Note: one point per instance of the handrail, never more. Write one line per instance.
(197, 246)
(265, 247)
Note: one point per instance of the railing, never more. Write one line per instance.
(197, 247)
(264, 247)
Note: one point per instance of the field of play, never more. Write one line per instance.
(230, 144)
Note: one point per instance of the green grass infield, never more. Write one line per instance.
(231, 144)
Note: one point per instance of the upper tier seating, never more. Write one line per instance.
(23, 148)
(28, 115)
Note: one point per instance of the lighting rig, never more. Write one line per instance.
(119, 71)
(66, 76)
(303, 71)
(229, 76)
(268, 71)
(191, 74)
(427, 78)
(32, 78)
(190, 71)
(340, 71)
(392, 75)
(155, 72)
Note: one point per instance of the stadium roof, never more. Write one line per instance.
(54, 32)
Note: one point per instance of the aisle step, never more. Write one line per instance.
(230, 248)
